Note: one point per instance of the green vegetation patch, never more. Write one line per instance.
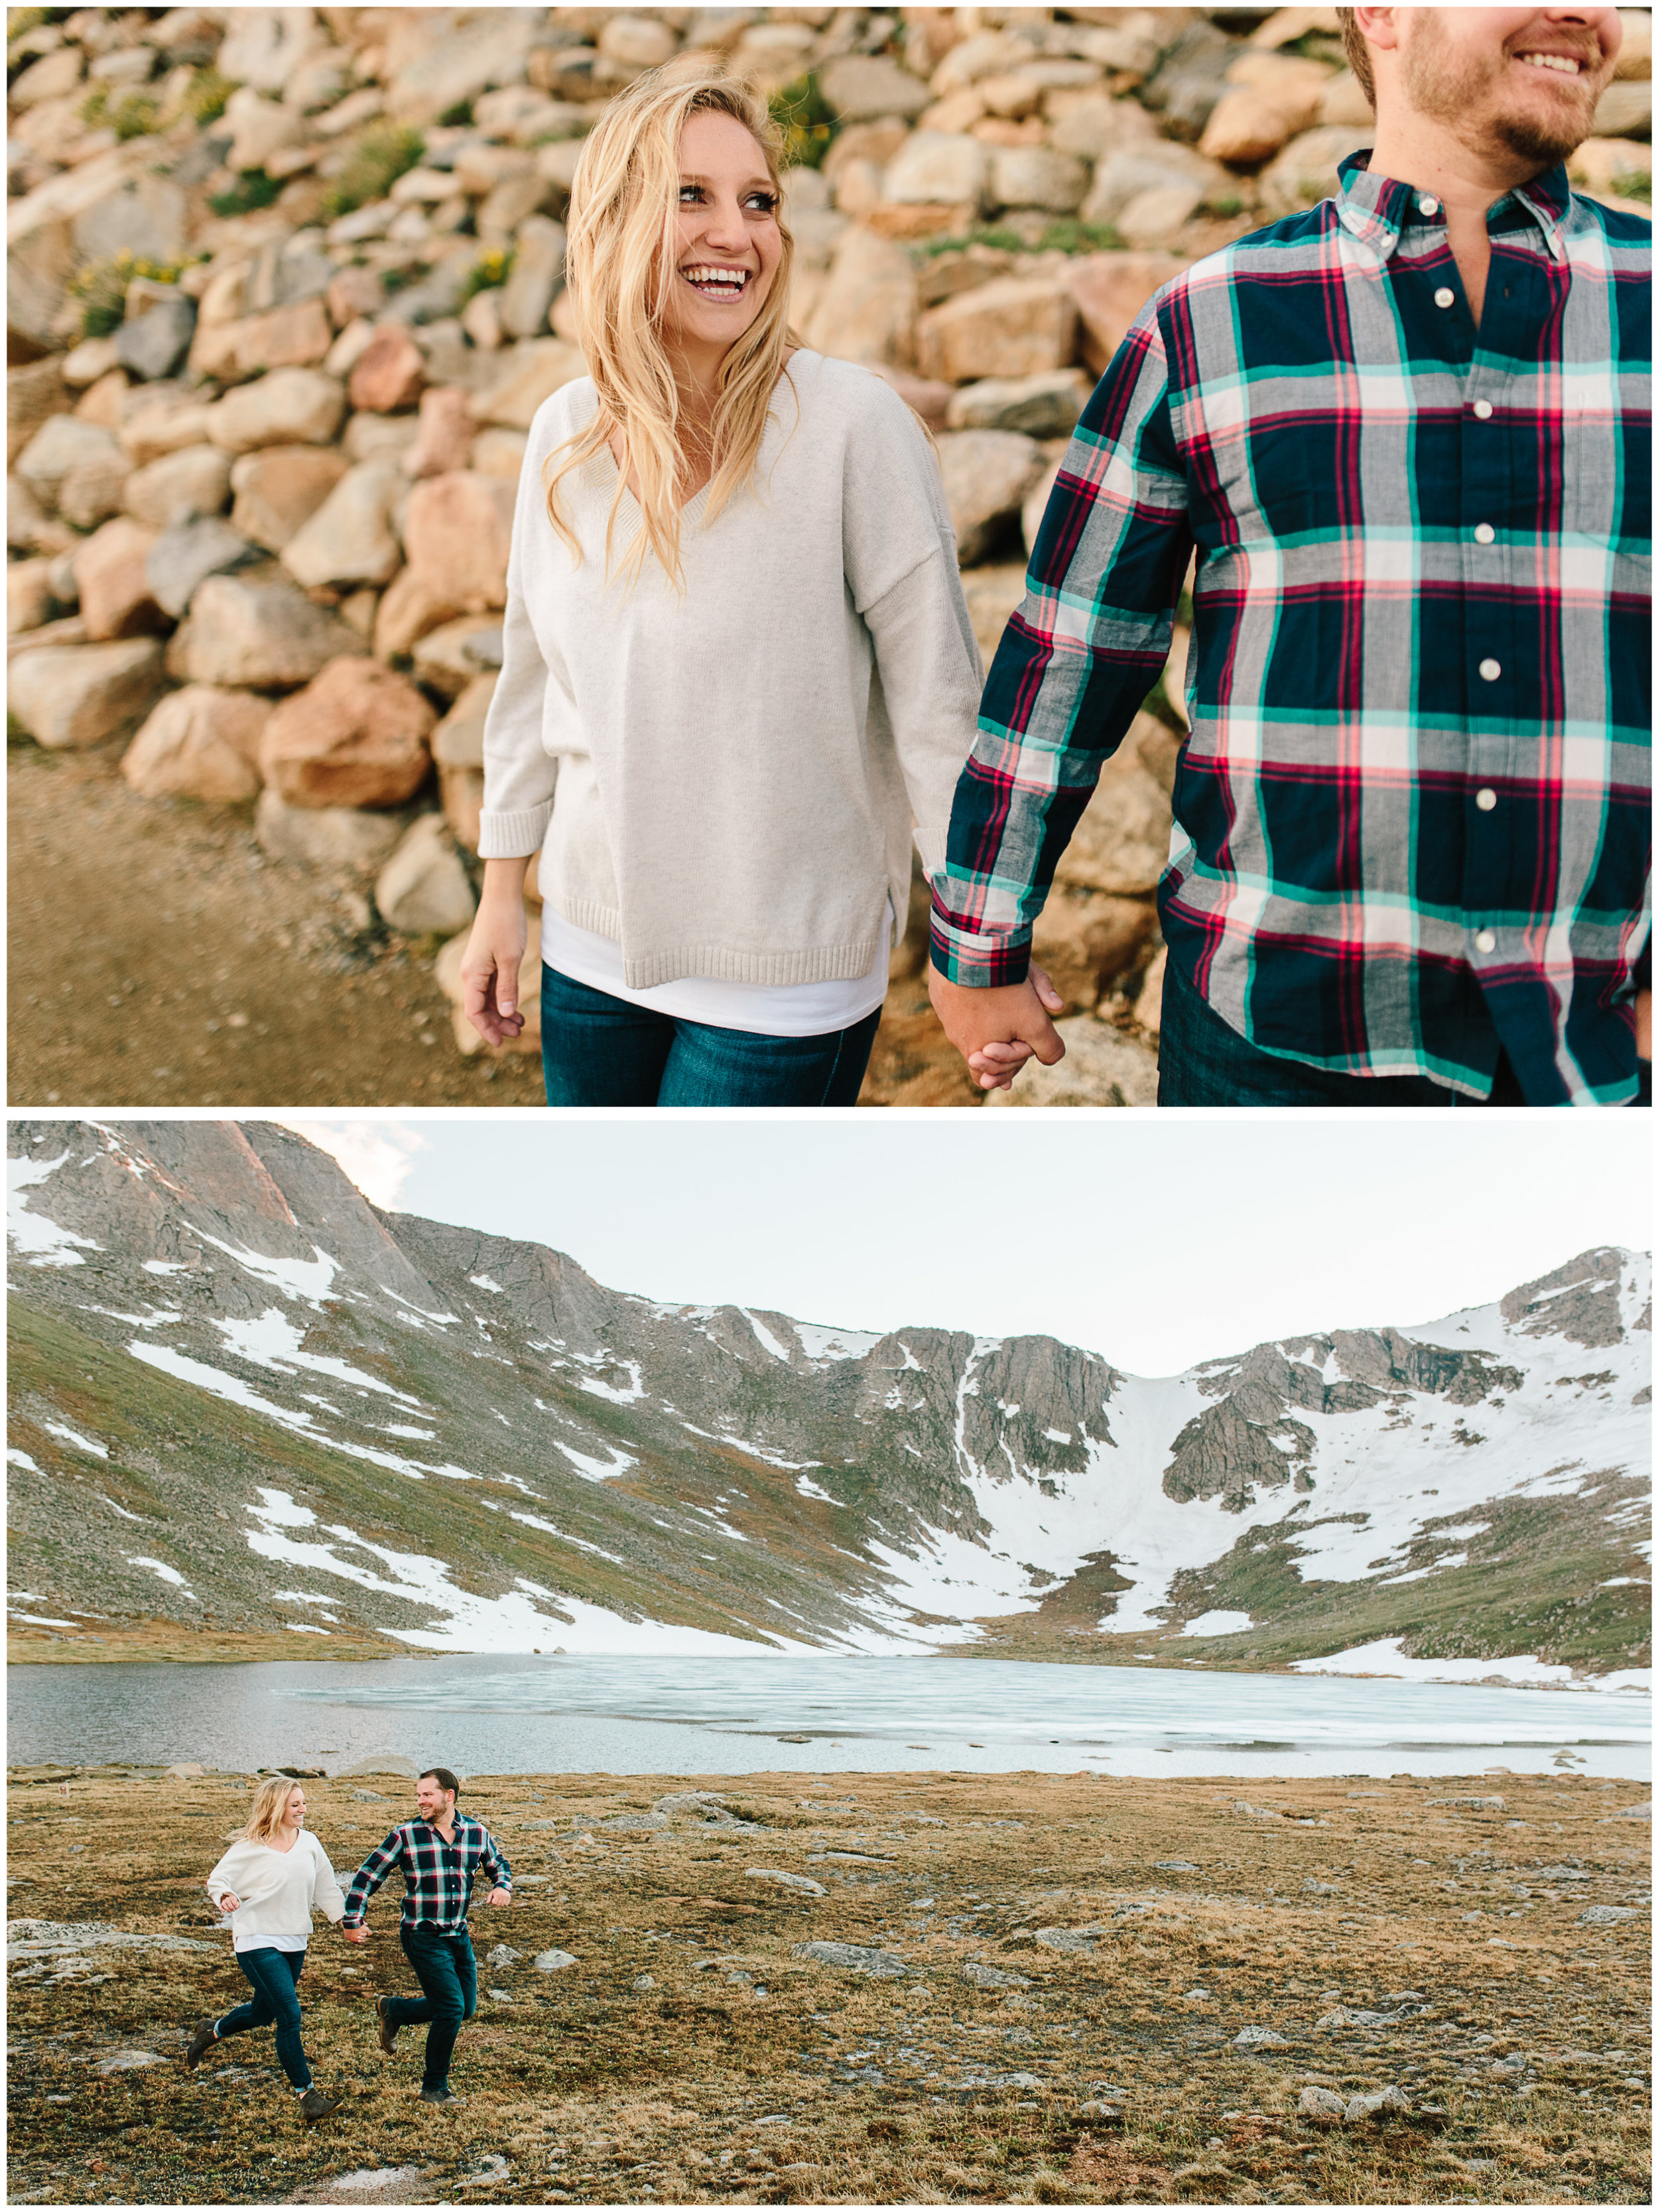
(101, 288)
(133, 115)
(208, 96)
(491, 268)
(808, 123)
(1065, 234)
(385, 152)
(252, 190)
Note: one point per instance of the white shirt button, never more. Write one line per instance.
(1491, 670)
(1482, 408)
(1428, 204)
(1483, 534)
(1444, 297)
(1486, 941)
(1485, 800)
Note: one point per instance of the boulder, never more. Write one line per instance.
(1387, 2103)
(938, 168)
(156, 344)
(196, 480)
(68, 460)
(30, 599)
(1086, 939)
(1120, 844)
(447, 658)
(538, 272)
(517, 199)
(263, 632)
(1035, 505)
(1037, 176)
(489, 46)
(1045, 406)
(258, 128)
(288, 407)
(1323, 2107)
(857, 88)
(1625, 108)
(1013, 326)
(457, 533)
(408, 609)
(351, 539)
(40, 259)
(1148, 1000)
(424, 888)
(1101, 1067)
(986, 474)
(115, 599)
(1109, 290)
(75, 695)
(142, 214)
(279, 488)
(54, 76)
(526, 374)
(33, 395)
(1154, 219)
(185, 554)
(264, 46)
(199, 743)
(333, 840)
(499, 453)
(1305, 172)
(800, 1883)
(163, 418)
(84, 364)
(854, 1959)
(867, 310)
(445, 970)
(29, 528)
(389, 376)
(444, 439)
(993, 593)
(356, 736)
(297, 337)
(458, 749)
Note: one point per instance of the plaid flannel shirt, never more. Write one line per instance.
(439, 1875)
(1411, 821)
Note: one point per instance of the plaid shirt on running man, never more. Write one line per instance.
(1411, 821)
(440, 1875)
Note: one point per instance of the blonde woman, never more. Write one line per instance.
(739, 667)
(270, 1880)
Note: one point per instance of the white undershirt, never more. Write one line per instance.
(784, 1010)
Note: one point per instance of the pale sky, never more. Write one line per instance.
(1158, 1243)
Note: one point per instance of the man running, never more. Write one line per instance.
(440, 1852)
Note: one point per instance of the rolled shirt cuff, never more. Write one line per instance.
(978, 959)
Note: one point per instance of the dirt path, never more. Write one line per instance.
(157, 957)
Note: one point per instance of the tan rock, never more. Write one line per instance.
(1109, 290)
(1153, 220)
(355, 293)
(1121, 842)
(1045, 406)
(446, 430)
(867, 310)
(1037, 176)
(1148, 1000)
(200, 743)
(1306, 171)
(354, 737)
(360, 608)
(528, 373)
(196, 480)
(351, 539)
(1084, 939)
(33, 393)
(935, 168)
(481, 320)
(61, 445)
(259, 631)
(336, 840)
(457, 533)
(158, 422)
(91, 491)
(279, 488)
(1607, 167)
(389, 375)
(442, 660)
(1102, 1066)
(423, 889)
(1343, 101)
(499, 453)
(30, 599)
(986, 474)
(1013, 326)
(100, 403)
(993, 593)
(29, 528)
(287, 407)
(259, 126)
(109, 574)
(461, 792)
(70, 696)
(1248, 126)
(1624, 111)
(295, 336)
(369, 436)
(408, 609)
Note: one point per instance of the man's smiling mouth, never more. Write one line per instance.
(712, 282)
(1557, 64)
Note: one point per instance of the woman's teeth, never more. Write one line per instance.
(717, 283)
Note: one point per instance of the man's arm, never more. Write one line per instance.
(1072, 668)
(369, 1875)
(493, 1861)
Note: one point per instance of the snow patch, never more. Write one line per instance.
(1385, 1656)
(308, 1280)
(488, 1283)
(595, 1470)
(73, 1436)
(820, 1343)
(42, 1242)
(166, 1573)
(767, 1341)
(1218, 1624)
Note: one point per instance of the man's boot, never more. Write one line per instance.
(204, 2036)
(317, 2104)
(388, 2028)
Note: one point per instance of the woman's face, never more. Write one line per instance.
(728, 242)
(293, 1817)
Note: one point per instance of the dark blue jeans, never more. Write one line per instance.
(600, 1051)
(445, 1969)
(273, 1975)
(1203, 1061)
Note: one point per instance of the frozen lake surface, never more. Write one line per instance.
(483, 1715)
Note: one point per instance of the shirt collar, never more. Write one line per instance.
(1377, 208)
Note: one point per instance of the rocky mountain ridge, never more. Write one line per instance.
(277, 1409)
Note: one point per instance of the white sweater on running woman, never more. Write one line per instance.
(731, 777)
(277, 1892)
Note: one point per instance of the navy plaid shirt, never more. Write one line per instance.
(1412, 822)
(439, 1875)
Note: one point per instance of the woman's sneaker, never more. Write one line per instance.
(203, 2039)
(317, 2104)
(440, 2097)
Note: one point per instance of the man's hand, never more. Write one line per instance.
(501, 1897)
(1643, 1025)
(997, 1030)
(355, 1934)
(488, 972)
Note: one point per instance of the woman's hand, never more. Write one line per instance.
(229, 1903)
(997, 1030)
(495, 952)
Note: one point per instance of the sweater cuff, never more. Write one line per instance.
(930, 843)
(514, 836)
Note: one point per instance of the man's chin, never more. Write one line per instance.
(1532, 138)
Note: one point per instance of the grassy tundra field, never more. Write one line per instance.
(1068, 1972)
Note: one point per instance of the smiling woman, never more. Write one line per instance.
(739, 667)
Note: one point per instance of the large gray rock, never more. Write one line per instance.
(1037, 176)
(938, 168)
(1390, 2103)
(986, 474)
(143, 215)
(1131, 171)
(1322, 2106)
(491, 47)
(423, 888)
(866, 311)
(1102, 1067)
(351, 537)
(538, 272)
(67, 457)
(335, 840)
(75, 695)
(855, 1958)
(261, 631)
(859, 87)
(1305, 170)
(1045, 406)
(264, 46)
(798, 1882)
(156, 345)
(186, 554)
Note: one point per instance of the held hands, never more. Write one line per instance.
(493, 953)
(355, 1934)
(996, 1031)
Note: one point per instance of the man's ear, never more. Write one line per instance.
(1380, 28)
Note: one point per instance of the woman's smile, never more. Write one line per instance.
(711, 280)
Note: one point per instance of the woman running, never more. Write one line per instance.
(270, 1881)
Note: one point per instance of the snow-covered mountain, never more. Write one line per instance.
(243, 1398)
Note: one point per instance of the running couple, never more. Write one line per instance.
(276, 1875)
(1404, 437)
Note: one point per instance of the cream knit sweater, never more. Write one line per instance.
(732, 776)
(277, 1891)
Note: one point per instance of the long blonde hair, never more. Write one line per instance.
(620, 256)
(269, 1806)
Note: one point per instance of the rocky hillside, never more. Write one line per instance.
(244, 1401)
(286, 286)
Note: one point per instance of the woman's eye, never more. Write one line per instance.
(763, 203)
(689, 194)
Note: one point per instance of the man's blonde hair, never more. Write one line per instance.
(1358, 54)
(622, 254)
(270, 1805)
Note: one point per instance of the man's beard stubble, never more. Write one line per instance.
(1458, 94)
